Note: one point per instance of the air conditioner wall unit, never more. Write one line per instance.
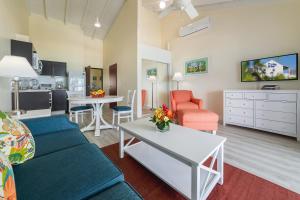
(194, 27)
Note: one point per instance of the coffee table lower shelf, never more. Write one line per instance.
(172, 171)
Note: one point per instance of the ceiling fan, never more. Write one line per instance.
(185, 5)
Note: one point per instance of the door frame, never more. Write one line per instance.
(110, 66)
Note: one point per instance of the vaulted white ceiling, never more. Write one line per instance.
(80, 12)
(154, 4)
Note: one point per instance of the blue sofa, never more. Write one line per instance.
(66, 166)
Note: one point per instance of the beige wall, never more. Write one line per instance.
(54, 40)
(149, 28)
(120, 46)
(239, 31)
(13, 19)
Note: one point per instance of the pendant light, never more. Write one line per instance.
(97, 23)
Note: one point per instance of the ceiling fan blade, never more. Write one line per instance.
(191, 11)
(166, 11)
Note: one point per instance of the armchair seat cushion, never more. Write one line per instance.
(81, 108)
(120, 191)
(187, 106)
(121, 108)
(49, 143)
(73, 173)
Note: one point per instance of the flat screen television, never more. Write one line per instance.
(278, 68)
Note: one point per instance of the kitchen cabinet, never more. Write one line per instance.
(23, 49)
(52, 68)
(35, 100)
(59, 100)
(47, 69)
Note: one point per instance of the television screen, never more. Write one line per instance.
(277, 68)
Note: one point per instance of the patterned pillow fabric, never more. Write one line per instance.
(16, 141)
(7, 188)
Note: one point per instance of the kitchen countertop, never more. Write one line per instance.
(38, 90)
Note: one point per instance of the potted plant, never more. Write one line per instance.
(162, 117)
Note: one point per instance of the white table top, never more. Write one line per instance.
(88, 99)
(186, 144)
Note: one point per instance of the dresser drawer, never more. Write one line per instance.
(276, 106)
(234, 95)
(258, 96)
(282, 127)
(235, 103)
(239, 112)
(283, 97)
(276, 116)
(246, 121)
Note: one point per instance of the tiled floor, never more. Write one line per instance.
(270, 156)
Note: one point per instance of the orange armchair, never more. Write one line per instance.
(184, 100)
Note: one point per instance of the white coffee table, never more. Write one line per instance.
(177, 157)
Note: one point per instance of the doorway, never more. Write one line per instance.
(155, 85)
(113, 82)
(94, 79)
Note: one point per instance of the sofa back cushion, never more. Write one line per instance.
(16, 141)
(7, 188)
(181, 96)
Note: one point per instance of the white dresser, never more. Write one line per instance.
(276, 111)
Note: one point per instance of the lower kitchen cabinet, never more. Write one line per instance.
(59, 100)
(33, 100)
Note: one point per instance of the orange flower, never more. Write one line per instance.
(170, 114)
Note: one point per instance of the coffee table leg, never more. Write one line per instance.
(195, 189)
(121, 143)
(220, 164)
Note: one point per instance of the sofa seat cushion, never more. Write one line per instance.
(49, 143)
(75, 173)
(120, 191)
(46, 125)
(187, 106)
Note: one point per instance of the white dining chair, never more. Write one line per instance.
(124, 111)
(79, 110)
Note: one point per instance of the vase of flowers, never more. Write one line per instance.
(162, 118)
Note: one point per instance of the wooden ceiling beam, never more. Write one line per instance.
(66, 11)
(84, 13)
(45, 9)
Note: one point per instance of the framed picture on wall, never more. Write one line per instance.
(196, 66)
(152, 72)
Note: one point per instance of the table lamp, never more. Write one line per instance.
(15, 67)
(178, 78)
(152, 79)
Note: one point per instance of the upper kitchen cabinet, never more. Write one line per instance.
(47, 69)
(59, 69)
(51, 68)
(23, 49)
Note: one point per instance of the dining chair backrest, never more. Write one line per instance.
(130, 98)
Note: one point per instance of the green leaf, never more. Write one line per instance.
(2, 115)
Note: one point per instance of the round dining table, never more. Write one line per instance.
(98, 123)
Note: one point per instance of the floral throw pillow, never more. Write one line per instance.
(7, 181)
(16, 141)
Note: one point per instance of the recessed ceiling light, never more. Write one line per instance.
(97, 23)
(162, 4)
